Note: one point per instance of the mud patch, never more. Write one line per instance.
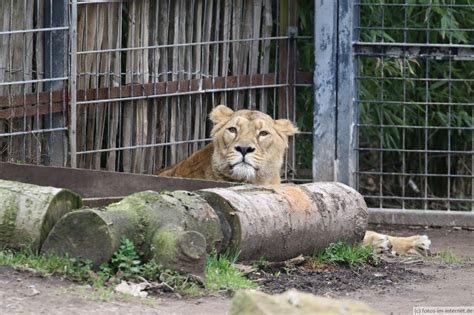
(337, 280)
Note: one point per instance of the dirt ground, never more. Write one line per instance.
(390, 288)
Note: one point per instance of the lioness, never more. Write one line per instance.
(249, 146)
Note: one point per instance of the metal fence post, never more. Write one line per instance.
(335, 114)
(347, 109)
(73, 83)
(325, 96)
(55, 57)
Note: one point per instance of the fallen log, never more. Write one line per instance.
(281, 222)
(175, 229)
(28, 212)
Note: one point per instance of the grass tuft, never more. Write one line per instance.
(449, 258)
(71, 268)
(221, 274)
(342, 253)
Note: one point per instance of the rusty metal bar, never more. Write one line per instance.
(39, 103)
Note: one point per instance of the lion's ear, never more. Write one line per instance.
(285, 127)
(220, 114)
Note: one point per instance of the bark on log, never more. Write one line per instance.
(281, 222)
(175, 229)
(28, 212)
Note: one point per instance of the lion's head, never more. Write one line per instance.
(249, 145)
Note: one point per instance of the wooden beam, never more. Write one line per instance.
(99, 185)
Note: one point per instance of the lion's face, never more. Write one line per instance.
(249, 145)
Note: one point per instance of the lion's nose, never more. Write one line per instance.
(244, 150)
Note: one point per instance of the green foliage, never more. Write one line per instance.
(71, 268)
(400, 97)
(126, 261)
(221, 274)
(342, 253)
(449, 258)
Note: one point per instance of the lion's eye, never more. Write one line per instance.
(232, 130)
(263, 133)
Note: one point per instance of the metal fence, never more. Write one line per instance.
(402, 78)
(127, 85)
(143, 75)
(33, 55)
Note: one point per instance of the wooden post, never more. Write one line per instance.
(287, 68)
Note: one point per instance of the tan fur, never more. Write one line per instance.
(417, 244)
(217, 160)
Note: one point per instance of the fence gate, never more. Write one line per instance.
(394, 106)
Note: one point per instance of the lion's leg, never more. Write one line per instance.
(417, 244)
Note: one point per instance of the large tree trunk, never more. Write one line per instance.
(284, 221)
(176, 229)
(28, 212)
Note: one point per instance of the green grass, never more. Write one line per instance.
(71, 268)
(449, 258)
(221, 274)
(342, 253)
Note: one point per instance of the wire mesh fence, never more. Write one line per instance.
(31, 39)
(127, 85)
(144, 75)
(415, 85)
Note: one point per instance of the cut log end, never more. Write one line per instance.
(192, 245)
(28, 212)
(83, 234)
(184, 251)
(63, 202)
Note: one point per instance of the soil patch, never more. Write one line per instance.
(392, 288)
(336, 280)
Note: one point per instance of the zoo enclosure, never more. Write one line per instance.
(142, 77)
(127, 85)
